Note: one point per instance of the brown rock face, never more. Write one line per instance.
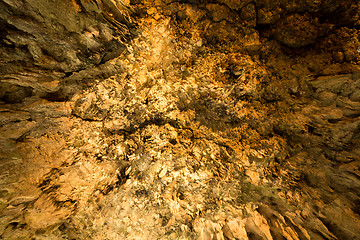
(296, 30)
(179, 119)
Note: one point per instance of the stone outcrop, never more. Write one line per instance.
(179, 119)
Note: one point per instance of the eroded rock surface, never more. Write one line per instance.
(180, 120)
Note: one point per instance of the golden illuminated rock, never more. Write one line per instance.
(179, 119)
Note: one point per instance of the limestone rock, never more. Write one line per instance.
(179, 119)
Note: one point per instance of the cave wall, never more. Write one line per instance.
(180, 119)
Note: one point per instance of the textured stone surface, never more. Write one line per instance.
(297, 30)
(179, 120)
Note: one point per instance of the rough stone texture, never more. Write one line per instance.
(179, 119)
(296, 30)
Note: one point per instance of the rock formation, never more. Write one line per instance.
(184, 119)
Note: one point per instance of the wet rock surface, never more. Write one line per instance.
(179, 120)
